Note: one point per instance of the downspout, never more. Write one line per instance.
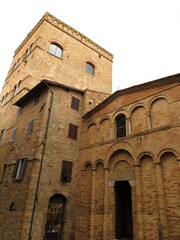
(42, 158)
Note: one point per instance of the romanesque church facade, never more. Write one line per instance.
(76, 161)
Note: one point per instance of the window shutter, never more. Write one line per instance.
(16, 168)
(75, 103)
(23, 167)
(66, 171)
(72, 131)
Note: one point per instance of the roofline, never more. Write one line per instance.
(70, 31)
(40, 86)
(155, 83)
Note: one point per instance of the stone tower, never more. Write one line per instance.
(57, 75)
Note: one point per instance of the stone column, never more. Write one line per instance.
(128, 126)
(93, 204)
(163, 229)
(105, 220)
(149, 120)
(139, 204)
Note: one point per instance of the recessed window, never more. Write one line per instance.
(90, 68)
(3, 101)
(2, 171)
(12, 207)
(30, 126)
(55, 50)
(75, 103)
(19, 168)
(13, 135)
(1, 135)
(36, 99)
(120, 126)
(66, 171)
(73, 129)
(19, 111)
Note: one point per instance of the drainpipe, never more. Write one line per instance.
(42, 158)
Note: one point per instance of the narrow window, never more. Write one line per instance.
(36, 99)
(12, 207)
(13, 135)
(3, 100)
(75, 103)
(19, 111)
(121, 126)
(73, 129)
(19, 168)
(66, 171)
(89, 68)
(1, 135)
(55, 50)
(2, 171)
(30, 126)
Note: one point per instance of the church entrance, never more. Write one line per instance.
(123, 201)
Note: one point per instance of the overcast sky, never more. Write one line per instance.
(143, 35)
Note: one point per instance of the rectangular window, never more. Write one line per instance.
(2, 171)
(66, 171)
(73, 129)
(19, 168)
(19, 111)
(13, 135)
(1, 135)
(75, 103)
(30, 126)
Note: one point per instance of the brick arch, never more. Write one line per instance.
(161, 96)
(144, 154)
(159, 112)
(86, 164)
(104, 129)
(97, 162)
(166, 151)
(118, 112)
(139, 119)
(92, 133)
(120, 146)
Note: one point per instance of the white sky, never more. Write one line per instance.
(143, 35)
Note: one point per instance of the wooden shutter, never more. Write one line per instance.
(23, 167)
(75, 103)
(72, 131)
(66, 171)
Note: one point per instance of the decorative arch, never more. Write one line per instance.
(144, 154)
(92, 133)
(139, 120)
(99, 161)
(104, 129)
(120, 146)
(86, 164)
(165, 151)
(159, 112)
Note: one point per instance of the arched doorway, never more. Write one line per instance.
(123, 206)
(55, 217)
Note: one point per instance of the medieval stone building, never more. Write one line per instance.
(76, 161)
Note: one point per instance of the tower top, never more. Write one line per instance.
(70, 31)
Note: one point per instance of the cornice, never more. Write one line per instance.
(70, 31)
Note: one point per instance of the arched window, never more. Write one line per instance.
(90, 68)
(120, 126)
(12, 207)
(56, 50)
(55, 217)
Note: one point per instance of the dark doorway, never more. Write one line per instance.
(124, 224)
(55, 218)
